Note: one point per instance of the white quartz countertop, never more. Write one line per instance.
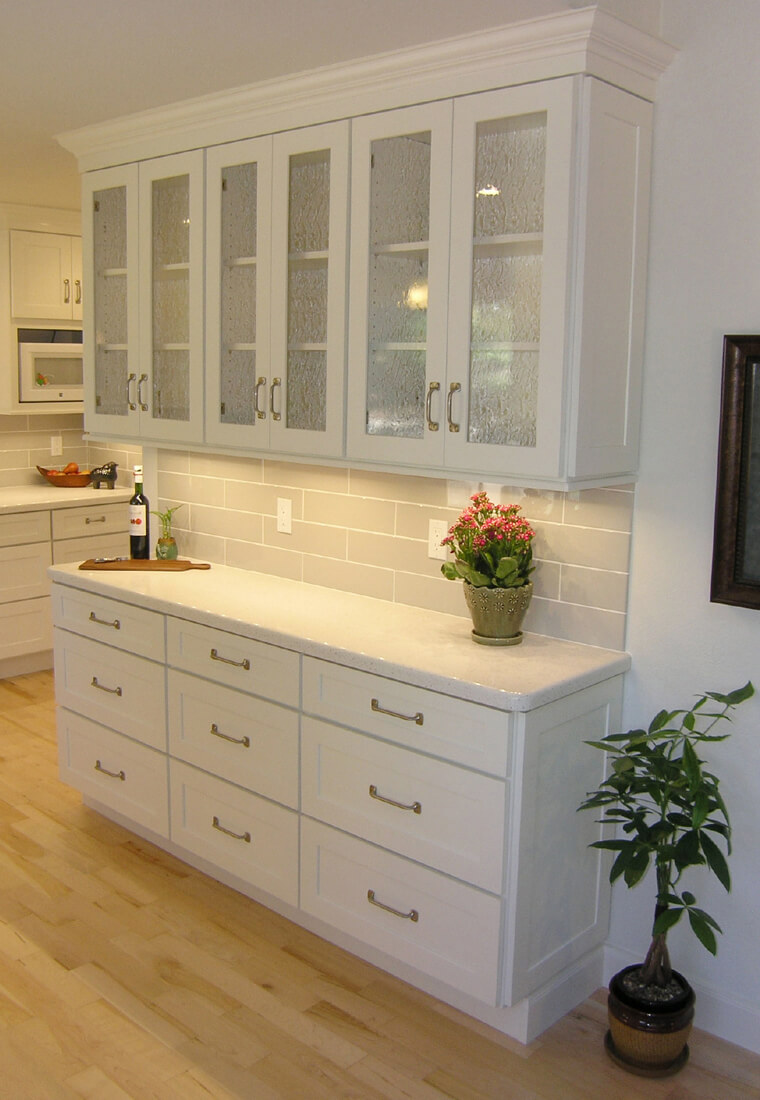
(425, 648)
(35, 498)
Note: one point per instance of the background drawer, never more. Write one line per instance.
(456, 936)
(466, 733)
(20, 527)
(138, 630)
(23, 573)
(95, 546)
(460, 826)
(25, 627)
(268, 860)
(118, 689)
(209, 726)
(90, 519)
(235, 661)
(138, 783)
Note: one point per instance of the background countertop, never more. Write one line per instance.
(35, 498)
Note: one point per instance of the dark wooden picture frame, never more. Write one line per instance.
(736, 537)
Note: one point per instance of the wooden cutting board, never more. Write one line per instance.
(146, 565)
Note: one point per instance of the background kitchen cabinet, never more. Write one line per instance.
(46, 276)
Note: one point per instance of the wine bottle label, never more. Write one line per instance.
(137, 519)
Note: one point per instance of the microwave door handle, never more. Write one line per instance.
(130, 403)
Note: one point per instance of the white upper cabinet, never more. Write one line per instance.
(46, 276)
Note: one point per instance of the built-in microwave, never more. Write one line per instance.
(50, 366)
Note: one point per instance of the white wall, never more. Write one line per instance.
(704, 282)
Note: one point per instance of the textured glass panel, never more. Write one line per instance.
(309, 211)
(109, 227)
(171, 311)
(238, 386)
(396, 393)
(307, 303)
(239, 305)
(111, 382)
(239, 211)
(506, 299)
(398, 300)
(307, 390)
(503, 398)
(171, 388)
(510, 162)
(111, 309)
(171, 220)
(400, 211)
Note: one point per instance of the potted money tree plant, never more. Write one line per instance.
(670, 816)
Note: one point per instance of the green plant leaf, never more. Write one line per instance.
(666, 920)
(703, 931)
(716, 861)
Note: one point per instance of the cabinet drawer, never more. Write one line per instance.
(245, 835)
(249, 741)
(234, 660)
(121, 690)
(90, 519)
(25, 627)
(466, 733)
(17, 528)
(130, 778)
(23, 573)
(455, 937)
(97, 546)
(110, 621)
(437, 813)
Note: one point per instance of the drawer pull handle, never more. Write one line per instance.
(411, 915)
(244, 741)
(228, 832)
(100, 519)
(104, 622)
(416, 807)
(114, 775)
(418, 717)
(101, 687)
(245, 663)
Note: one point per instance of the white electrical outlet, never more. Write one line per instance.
(56, 446)
(437, 531)
(285, 515)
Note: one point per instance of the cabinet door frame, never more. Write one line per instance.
(26, 275)
(258, 151)
(437, 118)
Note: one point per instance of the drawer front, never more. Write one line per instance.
(110, 621)
(455, 937)
(130, 778)
(25, 627)
(245, 835)
(90, 519)
(96, 546)
(118, 689)
(23, 573)
(437, 813)
(249, 741)
(456, 730)
(17, 528)
(235, 661)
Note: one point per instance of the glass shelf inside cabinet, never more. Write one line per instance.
(507, 269)
(238, 294)
(398, 285)
(109, 226)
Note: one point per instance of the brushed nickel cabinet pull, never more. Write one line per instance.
(455, 387)
(412, 915)
(276, 383)
(99, 519)
(105, 622)
(260, 413)
(140, 399)
(244, 741)
(245, 663)
(113, 775)
(432, 388)
(131, 403)
(66, 291)
(415, 807)
(101, 687)
(78, 292)
(228, 832)
(417, 718)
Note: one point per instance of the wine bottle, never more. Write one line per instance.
(139, 534)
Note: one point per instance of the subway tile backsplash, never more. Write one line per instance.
(366, 532)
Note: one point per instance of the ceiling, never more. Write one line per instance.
(64, 66)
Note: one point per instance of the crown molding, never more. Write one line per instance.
(581, 41)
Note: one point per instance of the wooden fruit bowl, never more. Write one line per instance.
(66, 481)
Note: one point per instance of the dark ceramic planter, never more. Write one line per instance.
(648, 1038)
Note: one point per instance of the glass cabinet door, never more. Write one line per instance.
(109, 228)
(170, 382)
(399, 235)
(309, 242)
(238, 201)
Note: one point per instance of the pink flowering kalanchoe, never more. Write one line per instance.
(491, 544)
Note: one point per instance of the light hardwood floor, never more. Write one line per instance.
(126, 973)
